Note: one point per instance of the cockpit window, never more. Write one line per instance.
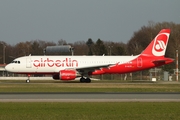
(16, 62)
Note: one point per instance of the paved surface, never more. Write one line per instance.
(89, 97)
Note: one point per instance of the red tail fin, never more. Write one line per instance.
(158, 46)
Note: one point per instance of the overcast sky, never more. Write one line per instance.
(78, 20)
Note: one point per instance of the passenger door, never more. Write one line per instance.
(139, 62)
(28, 62)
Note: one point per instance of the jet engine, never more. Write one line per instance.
(65, 75)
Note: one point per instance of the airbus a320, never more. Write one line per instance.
(70, 67)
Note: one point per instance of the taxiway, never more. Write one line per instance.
(89, 97)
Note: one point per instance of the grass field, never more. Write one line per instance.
(113, 86)
(90, 111)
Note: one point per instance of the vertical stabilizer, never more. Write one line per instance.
(158, 46)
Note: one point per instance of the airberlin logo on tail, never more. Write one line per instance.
(160, 46)
(160, 43)
(67, 62)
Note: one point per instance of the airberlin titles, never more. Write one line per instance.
(44, 62)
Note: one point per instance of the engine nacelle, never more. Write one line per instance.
(65, 75)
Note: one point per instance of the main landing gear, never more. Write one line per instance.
(85, 80)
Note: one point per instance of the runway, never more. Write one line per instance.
(89, 97)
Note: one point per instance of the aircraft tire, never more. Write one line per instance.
(27, 81)
(88, 80)
(83, 80)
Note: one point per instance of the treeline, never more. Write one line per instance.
(134, 46)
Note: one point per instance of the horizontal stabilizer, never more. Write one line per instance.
(163, 61)
(158, 61)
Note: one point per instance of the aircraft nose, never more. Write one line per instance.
(8, 68)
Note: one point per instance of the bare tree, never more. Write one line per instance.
(62, 42)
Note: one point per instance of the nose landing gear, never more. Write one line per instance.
(28, 80)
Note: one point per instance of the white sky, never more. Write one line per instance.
(78, 20)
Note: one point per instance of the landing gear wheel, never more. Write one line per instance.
(88, 80)
(27, 81)
(85, 80)
(82, 80)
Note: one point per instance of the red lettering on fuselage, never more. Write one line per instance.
(67, 62)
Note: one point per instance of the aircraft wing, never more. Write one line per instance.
(92, 68)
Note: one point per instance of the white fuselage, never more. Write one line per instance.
(53, 64)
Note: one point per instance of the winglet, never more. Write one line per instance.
(158, 46)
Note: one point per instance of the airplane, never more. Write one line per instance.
(70, 67)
